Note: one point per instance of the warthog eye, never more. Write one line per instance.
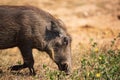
(65, 41)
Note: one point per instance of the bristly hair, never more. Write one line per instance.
(44, 13)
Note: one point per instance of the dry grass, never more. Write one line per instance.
(85, 20)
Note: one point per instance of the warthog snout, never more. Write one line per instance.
(64, 67)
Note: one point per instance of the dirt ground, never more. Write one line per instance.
(84, 20)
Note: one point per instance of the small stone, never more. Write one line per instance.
(118, 17)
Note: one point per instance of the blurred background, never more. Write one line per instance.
(98, 20)
(84, 19)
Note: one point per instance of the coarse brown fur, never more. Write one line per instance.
(28, 27)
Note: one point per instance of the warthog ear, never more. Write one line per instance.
(54, 29)
(54, 26)
(51, 26)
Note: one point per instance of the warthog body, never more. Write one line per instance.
(29, 27)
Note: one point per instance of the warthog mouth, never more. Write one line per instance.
(64, 67)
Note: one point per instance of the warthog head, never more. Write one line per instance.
(59, 47)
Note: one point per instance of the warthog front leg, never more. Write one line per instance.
(26, 52)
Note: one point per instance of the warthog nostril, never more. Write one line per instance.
(64, 66)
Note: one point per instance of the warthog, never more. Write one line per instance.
(28, 27)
